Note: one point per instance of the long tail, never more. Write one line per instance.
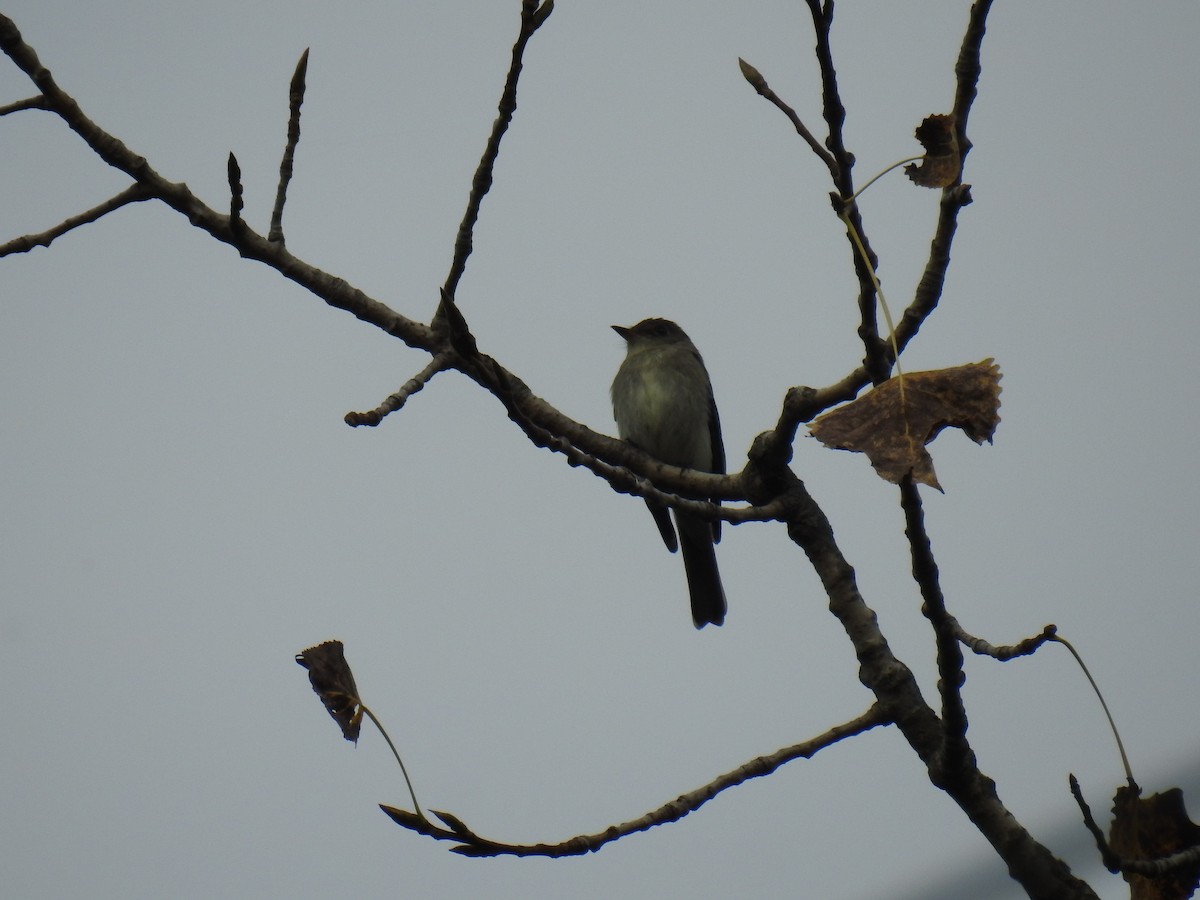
(700, 563)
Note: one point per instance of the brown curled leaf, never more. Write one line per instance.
(331, 678)
(941, 164)
(893, 423)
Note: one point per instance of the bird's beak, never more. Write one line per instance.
(622, 331)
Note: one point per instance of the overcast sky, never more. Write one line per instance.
(184, 508)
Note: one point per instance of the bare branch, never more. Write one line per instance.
(234, 173)
(132, 194)
(980, 647)
(396, 401)
(760, 85)
(471, 844)
(805, 404)
(334, 291)
(38, 102)
(875, 360)
(295, 100)
(956, 755)
(532, 18)
(967, 70)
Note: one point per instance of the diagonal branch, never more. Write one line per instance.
(38, 102)
(1029, 863)
(333, 290)
(759, 83)
(135, 193)
(532, 18)
(471, 844)
(397, 400)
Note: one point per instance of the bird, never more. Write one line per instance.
(663, 404)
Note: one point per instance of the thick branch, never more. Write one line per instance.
(1039, 872)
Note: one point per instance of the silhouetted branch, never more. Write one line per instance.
(471, 844)
(295, 101)
(38, 102)
(956, 754)
(333, 290)
(132, 194)
(397, 400)
(804, 404)
(980, 647)
(532, 18)
(759, 83)
(234, 173)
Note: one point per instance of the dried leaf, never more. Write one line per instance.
(334, 683)
(942, 164)
(893, 423)
(1152, 828)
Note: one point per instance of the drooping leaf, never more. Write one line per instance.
(333, 681)
(941, 165)
(893, 423)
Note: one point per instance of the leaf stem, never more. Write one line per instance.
(370, 715)
(1100, 697)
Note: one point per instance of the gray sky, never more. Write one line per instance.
(184, 508)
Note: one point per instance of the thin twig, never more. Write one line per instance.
(38, 102)
(1003, 653)
(135, 193)
(759, 83)
(532, 18)
(1110, 859)
(471, 844)
(234, 172)
(397, 400)
(865, 263)
(295, 101)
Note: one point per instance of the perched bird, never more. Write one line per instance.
(663, 404)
